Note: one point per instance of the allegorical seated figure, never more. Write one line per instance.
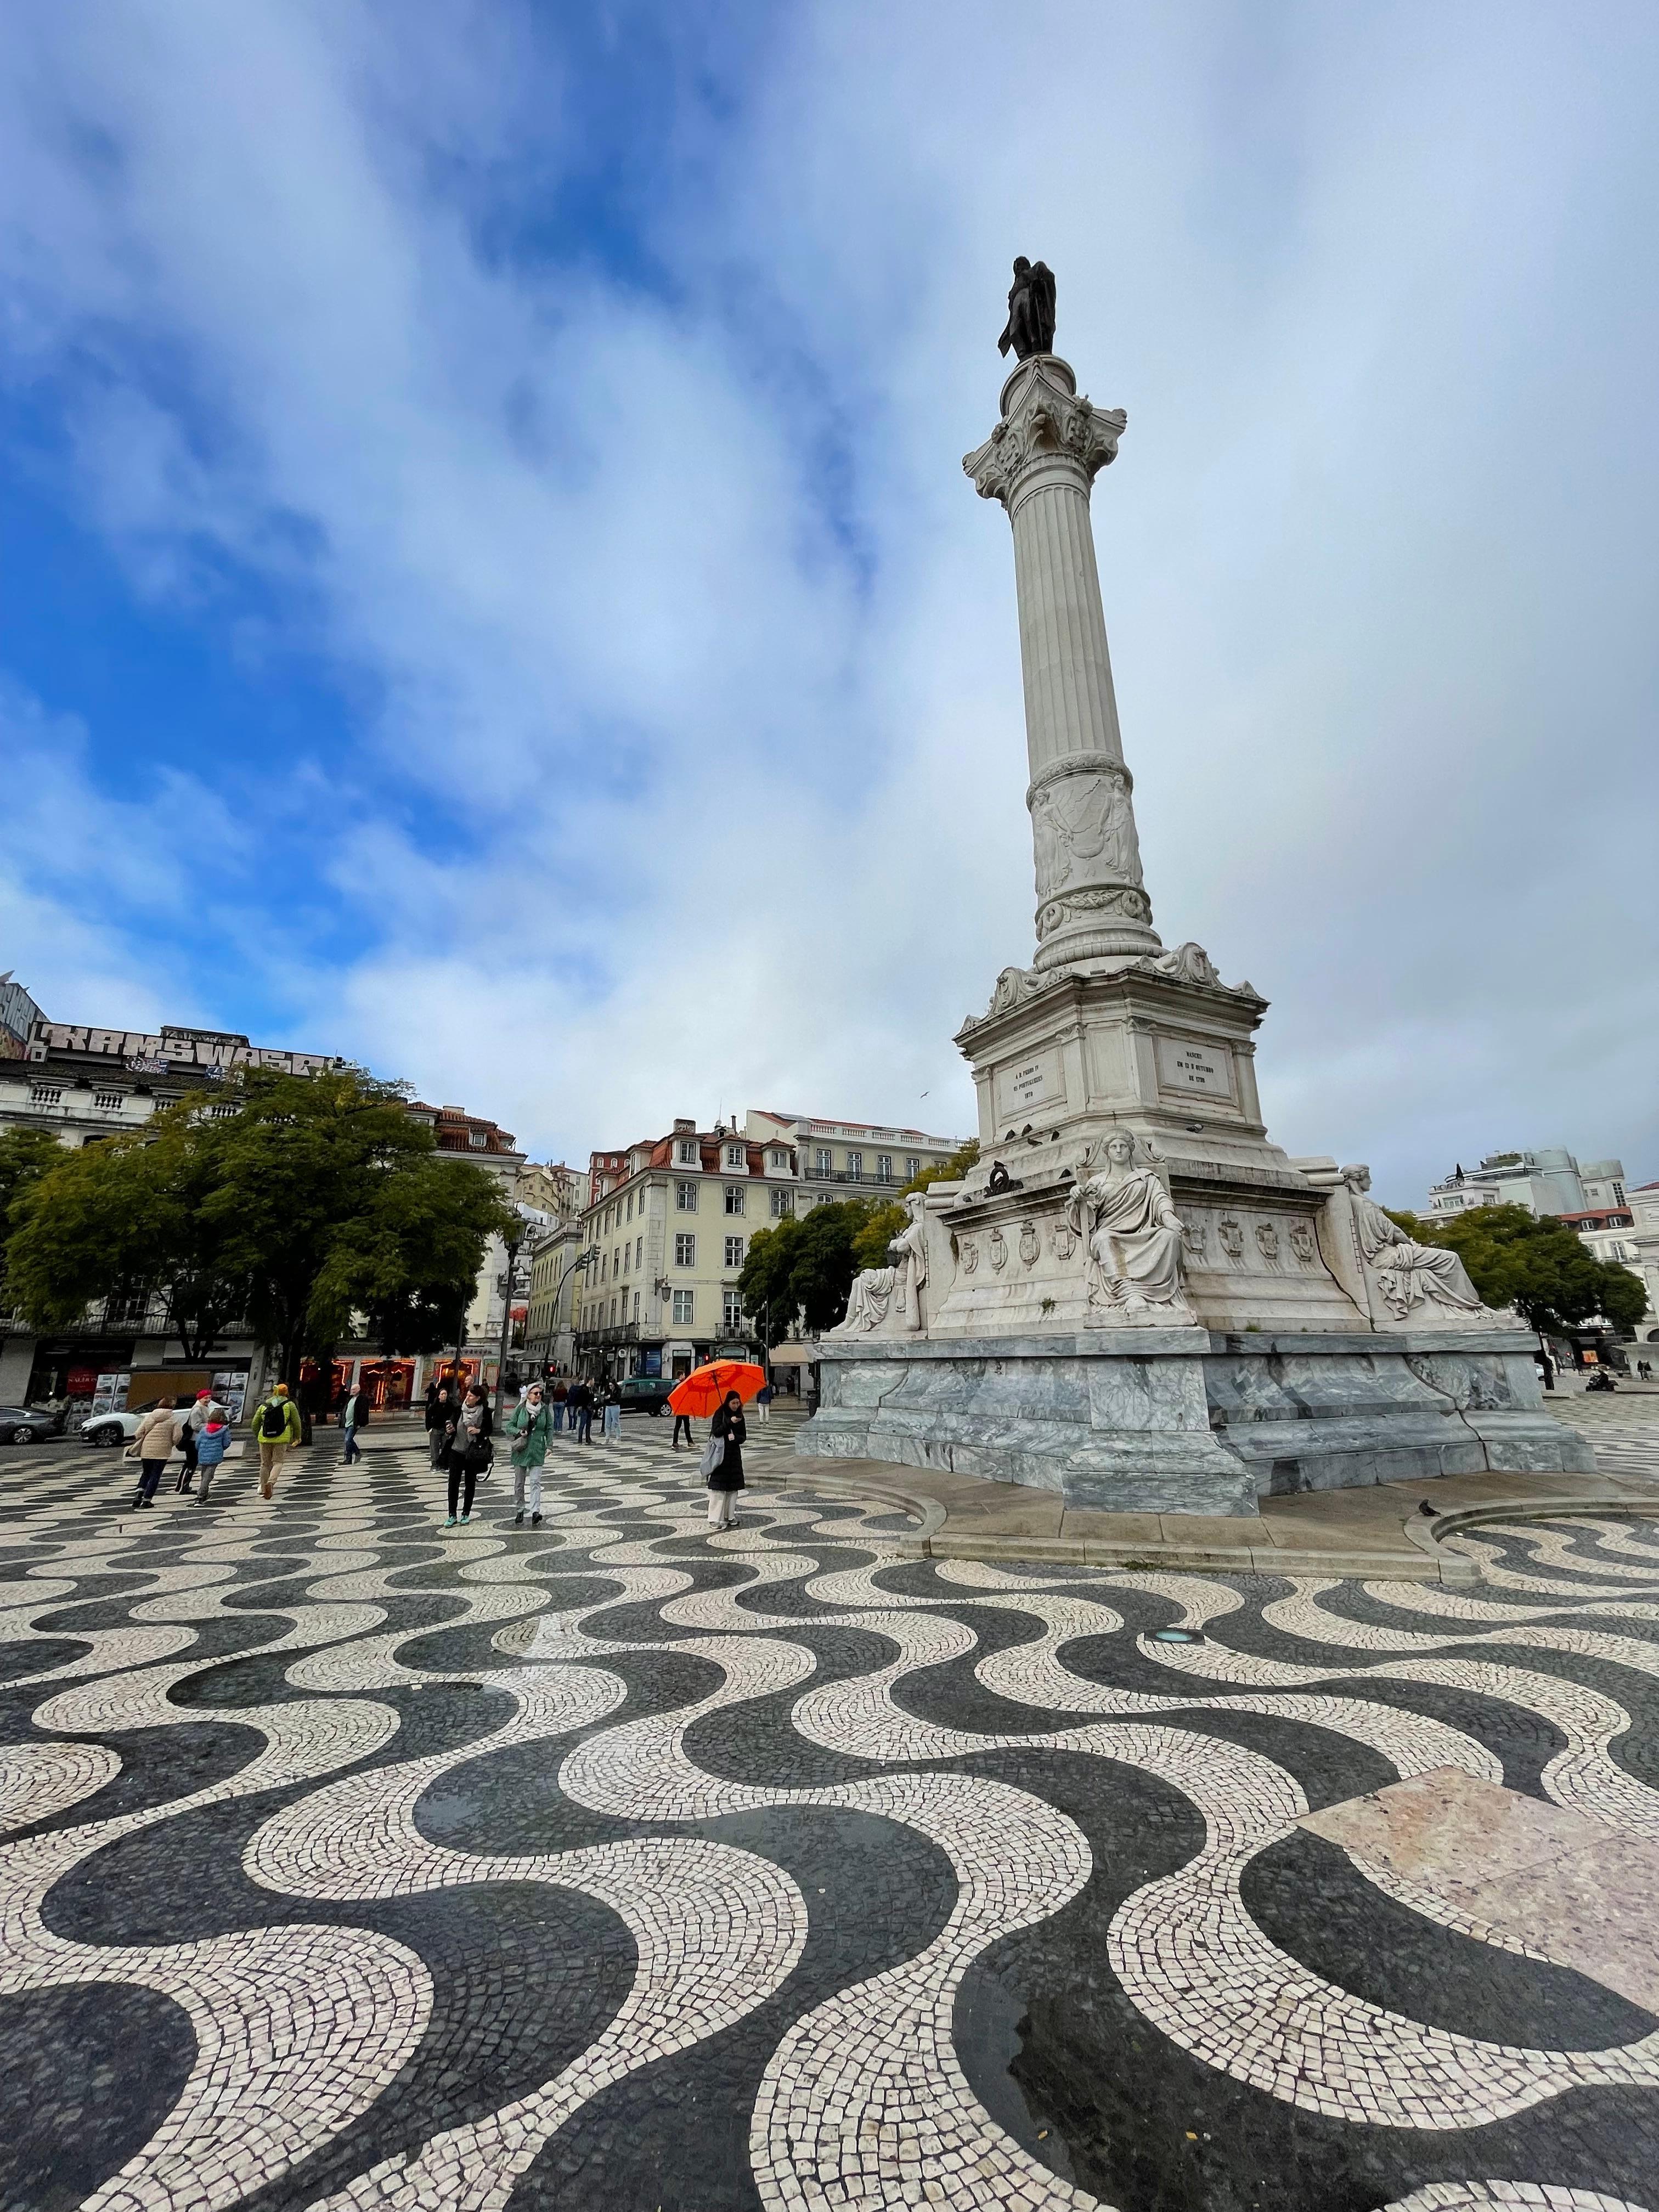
(1406, 1275)
(1132, 1234)
(889, 1298)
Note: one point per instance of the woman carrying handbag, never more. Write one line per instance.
(722, 1461)
(469, 1452)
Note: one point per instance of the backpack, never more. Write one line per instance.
(273, 1419)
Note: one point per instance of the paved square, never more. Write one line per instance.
(351, 1861)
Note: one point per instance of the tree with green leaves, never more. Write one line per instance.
(803, 1269)
(1535, 1264)
(887, 1220)
(318, 1198)
(25, 1156)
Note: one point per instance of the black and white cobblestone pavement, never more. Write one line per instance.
(350, 1862)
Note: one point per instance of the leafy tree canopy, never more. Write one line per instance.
(1532, 1262)
(320, 1196)
(951, 1171)
(25, 1156)
(803, 1268)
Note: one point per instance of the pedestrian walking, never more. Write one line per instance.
(152, 1447)
(276, 1426)
(469, 1451)
(190, 1430)
(581, 1400)
(684, 1421)
(763, 1402)
(560, 1392)
(210, 1447)
(531, 1427)
(722, 1461)
(612, 1430)
(443, 1402)
(353, 1416)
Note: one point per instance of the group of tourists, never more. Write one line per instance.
(200, 1430)
(460, 1441)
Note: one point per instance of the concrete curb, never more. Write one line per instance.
(1431, 1534)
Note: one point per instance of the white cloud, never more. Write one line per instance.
(696, 646)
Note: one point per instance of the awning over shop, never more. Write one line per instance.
(793, 1355)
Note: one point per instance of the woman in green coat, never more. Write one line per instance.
(531, 1429)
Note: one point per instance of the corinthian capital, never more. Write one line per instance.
(1044, 420)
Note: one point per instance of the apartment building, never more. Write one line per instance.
(669, 1221)
(1593, 1199)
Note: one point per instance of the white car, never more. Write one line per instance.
(112, 1428)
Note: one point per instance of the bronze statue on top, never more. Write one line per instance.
(1030, 326)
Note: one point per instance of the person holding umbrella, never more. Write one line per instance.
(723, 1460)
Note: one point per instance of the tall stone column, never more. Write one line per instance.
(1041, 462)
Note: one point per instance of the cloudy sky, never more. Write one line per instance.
(490, 587)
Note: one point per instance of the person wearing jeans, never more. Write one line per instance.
(348, 1423)
(210, 1442)
(151, 1447)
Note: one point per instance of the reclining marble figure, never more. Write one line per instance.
(890, 1297)
(1406, 1273)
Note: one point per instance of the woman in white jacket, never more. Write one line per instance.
(152, 1447)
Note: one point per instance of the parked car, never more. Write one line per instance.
(110, 1429)
(645, 1393)
(28, 1425)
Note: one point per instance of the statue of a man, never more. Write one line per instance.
(1030, 326)
(1133, 1235)
(889, 1299)
(1406, 1273)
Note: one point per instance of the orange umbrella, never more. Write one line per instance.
(705, 1388)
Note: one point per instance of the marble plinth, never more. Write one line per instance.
(1191, 1420)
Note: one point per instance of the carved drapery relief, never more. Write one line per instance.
(1082, 827)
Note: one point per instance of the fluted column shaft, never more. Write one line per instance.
(1041, 462)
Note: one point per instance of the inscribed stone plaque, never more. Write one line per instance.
(1033, 1082)
(1194, 1070)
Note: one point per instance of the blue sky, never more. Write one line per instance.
(489, 587)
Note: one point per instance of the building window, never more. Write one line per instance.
(685, 1197)
(1619, 1194)
(630, 1206)
(734, 1251)
(613, 1313)
(686, 1152)
(912, 1168)
(826, 1160)
(855, 1165)
(476, 1138)
(682, 1309)
(779, 1162)
(736, 1156)
(783, 1203)
(884, 1166)
(636, 1305)
(735, 1198)
(731, 1312)
(109, 1101)
(685, 1251)
(46, 1094)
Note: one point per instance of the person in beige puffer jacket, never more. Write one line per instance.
(152, 1446)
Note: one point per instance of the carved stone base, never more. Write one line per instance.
(1188, 1420)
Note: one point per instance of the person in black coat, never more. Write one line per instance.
(725, 1480)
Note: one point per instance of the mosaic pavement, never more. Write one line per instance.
(350, 1862)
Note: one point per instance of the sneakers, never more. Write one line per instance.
(518, 1518)
(450, 1523)
(466, 1516)
(535, 1520)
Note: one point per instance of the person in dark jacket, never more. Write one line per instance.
(468, 1450)
(725, 1480)
(443, 1402)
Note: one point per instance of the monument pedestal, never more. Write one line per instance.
(1135, 1298)
(1191, 1420)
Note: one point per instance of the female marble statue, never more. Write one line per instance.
(1406, 1275)
(889, 1299)
(1132, 1234)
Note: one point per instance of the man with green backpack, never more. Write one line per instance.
(276, 1426)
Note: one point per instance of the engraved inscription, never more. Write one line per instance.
(1029, 1083)
(1201, 1070)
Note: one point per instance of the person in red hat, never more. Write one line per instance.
(207, 1408)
